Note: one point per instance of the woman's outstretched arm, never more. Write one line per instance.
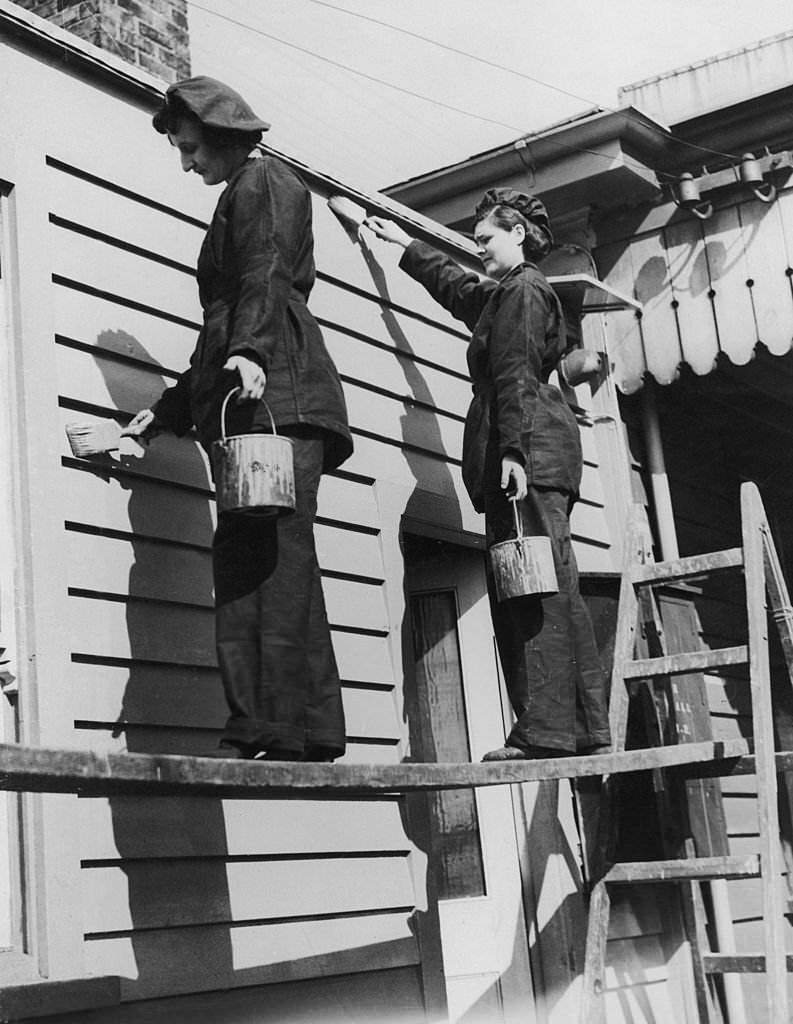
(463, 293)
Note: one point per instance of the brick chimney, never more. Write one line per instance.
(151, 34)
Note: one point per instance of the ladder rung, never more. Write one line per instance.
(738, 963)
(695, 869)
(693, 661)
(683, 568)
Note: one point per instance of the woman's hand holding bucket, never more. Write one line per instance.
(252, 377)
(513, 478)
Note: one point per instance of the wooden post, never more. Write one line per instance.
(753, 523)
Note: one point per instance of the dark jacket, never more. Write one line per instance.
(518, 338)
(255, 273)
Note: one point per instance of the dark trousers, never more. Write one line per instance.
(273, 642)
(547, 646)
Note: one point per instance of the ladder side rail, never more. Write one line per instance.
(670, 796)
(778, 595)
(752, 518)
(592, 1009)
(635, 552)
(782, 614)
(592, 1006)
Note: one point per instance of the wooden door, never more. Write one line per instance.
(473, 849)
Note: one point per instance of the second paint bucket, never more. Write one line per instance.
(524, 565)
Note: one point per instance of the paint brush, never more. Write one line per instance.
(87, 439)
(348, 211)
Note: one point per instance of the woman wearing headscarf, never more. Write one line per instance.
(255, 272)
(521, 441)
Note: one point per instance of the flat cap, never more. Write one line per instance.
(215, 104)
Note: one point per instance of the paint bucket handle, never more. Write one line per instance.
(518, 518)
(223, 414)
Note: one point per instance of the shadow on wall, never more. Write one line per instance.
(171, 851)
(700, 254)
(421, 433)
(419, 811)
(185, 925)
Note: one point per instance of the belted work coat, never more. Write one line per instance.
(255, 273)
(518, 338)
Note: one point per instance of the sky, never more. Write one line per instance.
(314, 68)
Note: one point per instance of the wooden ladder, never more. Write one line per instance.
(763, 577)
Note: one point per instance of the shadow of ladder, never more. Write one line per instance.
(763, 576)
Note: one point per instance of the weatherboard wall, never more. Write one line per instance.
(115, 624)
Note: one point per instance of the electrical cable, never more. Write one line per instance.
(526, 136)
(454, 49)
(512, 71)
(355, 71)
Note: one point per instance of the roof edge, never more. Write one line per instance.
(42, 34)
(705, 62)
(646, 136)
(79, 54)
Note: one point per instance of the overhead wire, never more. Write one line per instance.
(453, 49)
(526, 136)
(511, 71)
(354, 71)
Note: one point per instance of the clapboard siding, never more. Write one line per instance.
(202, 959)
(178, 570)
(169, 895)
(426, 359)
(169, 827)
(100, 493)
(146, 337)
(166, 572)
(189, 896)
(134, 276)
(103, 207)
(182, 697)
(101, 628)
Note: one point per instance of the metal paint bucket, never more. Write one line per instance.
(254, 473)
(524, 565)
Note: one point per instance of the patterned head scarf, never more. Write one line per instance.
(530, 206)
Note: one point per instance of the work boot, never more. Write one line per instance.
(230, 751)
(530, 753)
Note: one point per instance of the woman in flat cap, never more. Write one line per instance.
(255, 272)
(521, 441)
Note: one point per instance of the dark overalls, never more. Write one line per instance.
(255, 272)
(546, 645)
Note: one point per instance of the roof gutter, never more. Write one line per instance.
(636, 133)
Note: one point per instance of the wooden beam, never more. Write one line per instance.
(681, 664)
(683, 568)
(81, 771)
(737, 963)
(744, 765)
(699, 869)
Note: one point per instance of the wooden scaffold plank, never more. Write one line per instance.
(60, 771)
